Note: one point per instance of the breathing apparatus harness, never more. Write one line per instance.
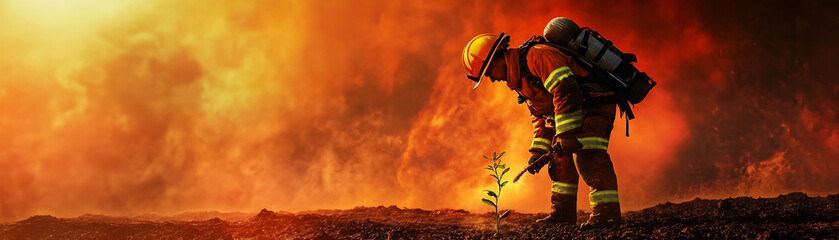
(629, 85)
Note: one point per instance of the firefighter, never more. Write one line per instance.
(576, 128)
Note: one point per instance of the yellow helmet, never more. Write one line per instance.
(478, 54)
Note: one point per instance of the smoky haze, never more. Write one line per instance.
(133, 107)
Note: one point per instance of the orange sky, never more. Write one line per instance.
(131, 107)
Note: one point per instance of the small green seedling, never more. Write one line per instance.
(495, 168)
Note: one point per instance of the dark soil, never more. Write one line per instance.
(790, 216)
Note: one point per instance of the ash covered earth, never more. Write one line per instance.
(790, 216)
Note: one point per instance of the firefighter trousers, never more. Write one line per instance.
(592, 163)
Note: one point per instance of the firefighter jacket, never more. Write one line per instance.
(567, 106)
(556, 111)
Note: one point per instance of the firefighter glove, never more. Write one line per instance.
(539, 156)
(557, 148)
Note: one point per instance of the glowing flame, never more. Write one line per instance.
(126, 107)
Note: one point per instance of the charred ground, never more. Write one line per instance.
(789, 216)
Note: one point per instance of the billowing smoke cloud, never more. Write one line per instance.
(764, 118)
(154, 106)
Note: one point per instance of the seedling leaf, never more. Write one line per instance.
(488, 202)
(494, 169)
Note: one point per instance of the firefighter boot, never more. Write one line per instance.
(595, 166)
(563, 210)
(607, 215)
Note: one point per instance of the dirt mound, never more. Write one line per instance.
(790, 216)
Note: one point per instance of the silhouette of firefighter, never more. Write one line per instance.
(572, 80)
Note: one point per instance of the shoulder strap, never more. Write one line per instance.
(523, 68)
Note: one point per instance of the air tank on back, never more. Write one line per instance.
(600, 53)
(563, 30)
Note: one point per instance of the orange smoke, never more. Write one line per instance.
(131, 107)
